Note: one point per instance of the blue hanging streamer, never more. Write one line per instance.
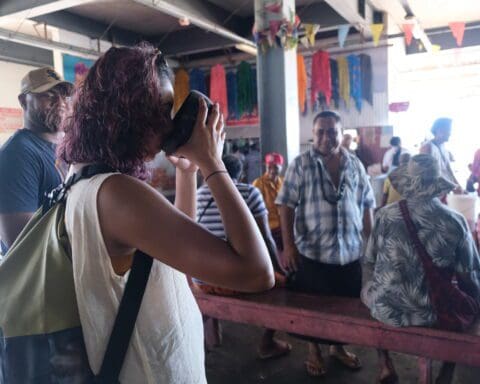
(197, 80)
(232, 95)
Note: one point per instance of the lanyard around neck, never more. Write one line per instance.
(340, 191)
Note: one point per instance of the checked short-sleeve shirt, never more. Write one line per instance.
(326, 232)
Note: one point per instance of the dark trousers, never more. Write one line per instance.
(327, 280)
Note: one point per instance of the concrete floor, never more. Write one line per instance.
(236, 362)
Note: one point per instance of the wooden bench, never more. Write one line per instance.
(346, 320)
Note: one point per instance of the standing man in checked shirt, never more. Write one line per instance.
(326, 207)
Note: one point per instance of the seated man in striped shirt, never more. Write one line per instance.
(326, 204)
(208, 215)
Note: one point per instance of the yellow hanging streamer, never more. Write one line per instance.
(344, 79)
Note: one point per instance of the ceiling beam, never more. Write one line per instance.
(22, 9)
(35, 41)
(91, 28)
(348, 9)
(421, 32)
(24, 54)
(320, 13)
(191, 41)
(195, 12)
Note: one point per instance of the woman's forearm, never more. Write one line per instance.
(185, 191)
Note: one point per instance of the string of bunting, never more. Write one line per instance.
(282, 27)
(278, 28)
(457, 29)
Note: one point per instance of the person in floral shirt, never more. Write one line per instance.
(394, 284)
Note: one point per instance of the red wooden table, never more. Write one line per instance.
(343, 319)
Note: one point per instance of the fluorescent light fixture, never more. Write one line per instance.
(247, 48)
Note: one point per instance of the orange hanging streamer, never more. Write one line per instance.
(181, 88)
(302, 83)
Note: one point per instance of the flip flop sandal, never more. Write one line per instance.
(280, 351)
(315, 369)
(349, 360)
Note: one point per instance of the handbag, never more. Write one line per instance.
(455, 309)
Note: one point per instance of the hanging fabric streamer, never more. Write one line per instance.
(408, 31)
(458, 29)
(181, 88)
(232, 95)
(254, 86)
(302, 83)
(335, 83)
(342, 34)
(355, 73)
(197, 80)
(244, 86)
(366, 70)
(344, 80)
(218, 88)
(377, 30)
(321, 80)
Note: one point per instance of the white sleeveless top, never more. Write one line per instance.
(167, 342)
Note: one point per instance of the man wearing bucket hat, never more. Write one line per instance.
(397, 286)
(269, 185)
(28, 167)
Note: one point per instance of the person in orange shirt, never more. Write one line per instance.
(269, 185)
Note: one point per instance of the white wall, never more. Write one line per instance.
(11, 75)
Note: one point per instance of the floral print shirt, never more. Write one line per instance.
(394, 286)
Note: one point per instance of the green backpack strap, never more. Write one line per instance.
(59, 193)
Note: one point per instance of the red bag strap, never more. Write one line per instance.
(412, 230)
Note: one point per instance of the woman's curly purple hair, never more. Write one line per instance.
(117, 111)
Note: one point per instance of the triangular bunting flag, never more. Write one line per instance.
(377, 30)
(342, 34)
(458, 29)
(310, 32)
(408, 31)
(304, 41)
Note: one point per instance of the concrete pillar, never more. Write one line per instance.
(277, 91)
